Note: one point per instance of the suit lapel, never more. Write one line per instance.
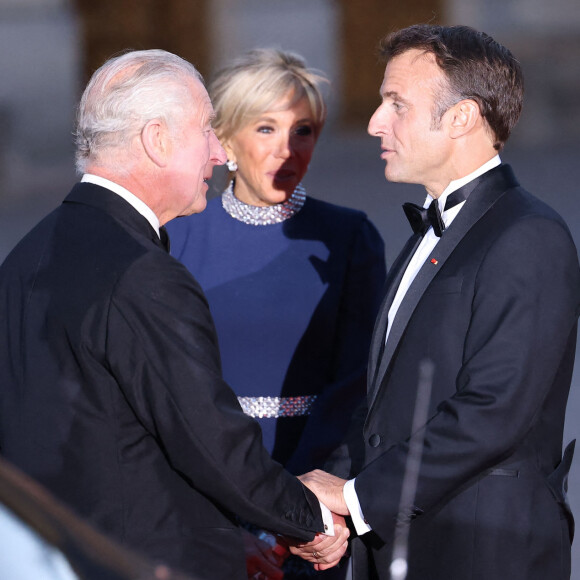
(113, 204)
(391, 284)
(484, 192)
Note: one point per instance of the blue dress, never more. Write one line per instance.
(294, 305)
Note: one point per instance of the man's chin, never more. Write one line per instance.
(396, 176)
(199, 205)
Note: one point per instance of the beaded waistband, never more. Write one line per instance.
(272, 407)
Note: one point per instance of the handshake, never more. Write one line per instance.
(264, 558)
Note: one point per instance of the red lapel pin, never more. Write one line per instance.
(434, 261)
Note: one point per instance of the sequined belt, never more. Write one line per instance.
(272, 407)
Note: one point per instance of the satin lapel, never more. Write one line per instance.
(113, 204)
(486, 192)
(391, 284)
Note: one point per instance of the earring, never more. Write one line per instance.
(231, 165)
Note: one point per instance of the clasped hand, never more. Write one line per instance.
(328, 489)
(323, 552)
(326, 551)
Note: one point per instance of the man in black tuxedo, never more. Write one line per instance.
(485, 297)
(112, 395)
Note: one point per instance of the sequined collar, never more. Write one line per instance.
(263, 216)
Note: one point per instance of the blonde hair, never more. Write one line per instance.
(257, 82)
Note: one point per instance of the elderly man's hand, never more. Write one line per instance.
(324, 551)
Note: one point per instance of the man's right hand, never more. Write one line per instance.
(328, 489)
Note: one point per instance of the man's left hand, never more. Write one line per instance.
(324, 551)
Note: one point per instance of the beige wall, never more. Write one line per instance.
(110, 26)
(363, 24)
(545, 37)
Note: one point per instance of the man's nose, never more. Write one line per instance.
(218, 152)
(380, 122)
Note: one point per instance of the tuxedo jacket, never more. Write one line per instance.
(112, 395)
(42, 527)
(494, 308)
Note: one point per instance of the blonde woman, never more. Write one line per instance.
(293, 283)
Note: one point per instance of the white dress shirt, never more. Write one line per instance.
(424, 250)
(129, 197)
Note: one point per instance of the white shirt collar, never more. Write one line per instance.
(129, 197)
(457, 183)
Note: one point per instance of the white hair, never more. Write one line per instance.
(125, 94)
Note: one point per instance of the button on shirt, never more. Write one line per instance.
(422, 252)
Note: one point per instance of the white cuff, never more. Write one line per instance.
(360, 524)
(327, 520)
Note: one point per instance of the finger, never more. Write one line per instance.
(327, 543)
(332, 552)
(336, 554)
(331, 556)
(331, 559)
(321, 544)
(313, 543)
(321, 567)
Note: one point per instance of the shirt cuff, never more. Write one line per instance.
(327, 520)
(358, 520)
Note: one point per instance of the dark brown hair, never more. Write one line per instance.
(476, 67)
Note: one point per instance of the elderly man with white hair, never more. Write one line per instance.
(112, 395)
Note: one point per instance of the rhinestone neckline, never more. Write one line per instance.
(263, 216)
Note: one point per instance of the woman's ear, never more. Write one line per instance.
(156, 142)
(229, 151)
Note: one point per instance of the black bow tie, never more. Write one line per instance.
(422, 218)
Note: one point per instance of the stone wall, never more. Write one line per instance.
(545, 37)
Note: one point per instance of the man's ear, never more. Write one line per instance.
(465, 116)
(156, 142)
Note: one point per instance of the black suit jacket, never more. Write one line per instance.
(53, 529)
(495, 308)
(112, 395)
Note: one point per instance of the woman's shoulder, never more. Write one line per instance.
(196, 229)
(212, 212)
(343, 225)
(318, 205)
(337, 217)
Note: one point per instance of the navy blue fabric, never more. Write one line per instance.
(294, 306)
